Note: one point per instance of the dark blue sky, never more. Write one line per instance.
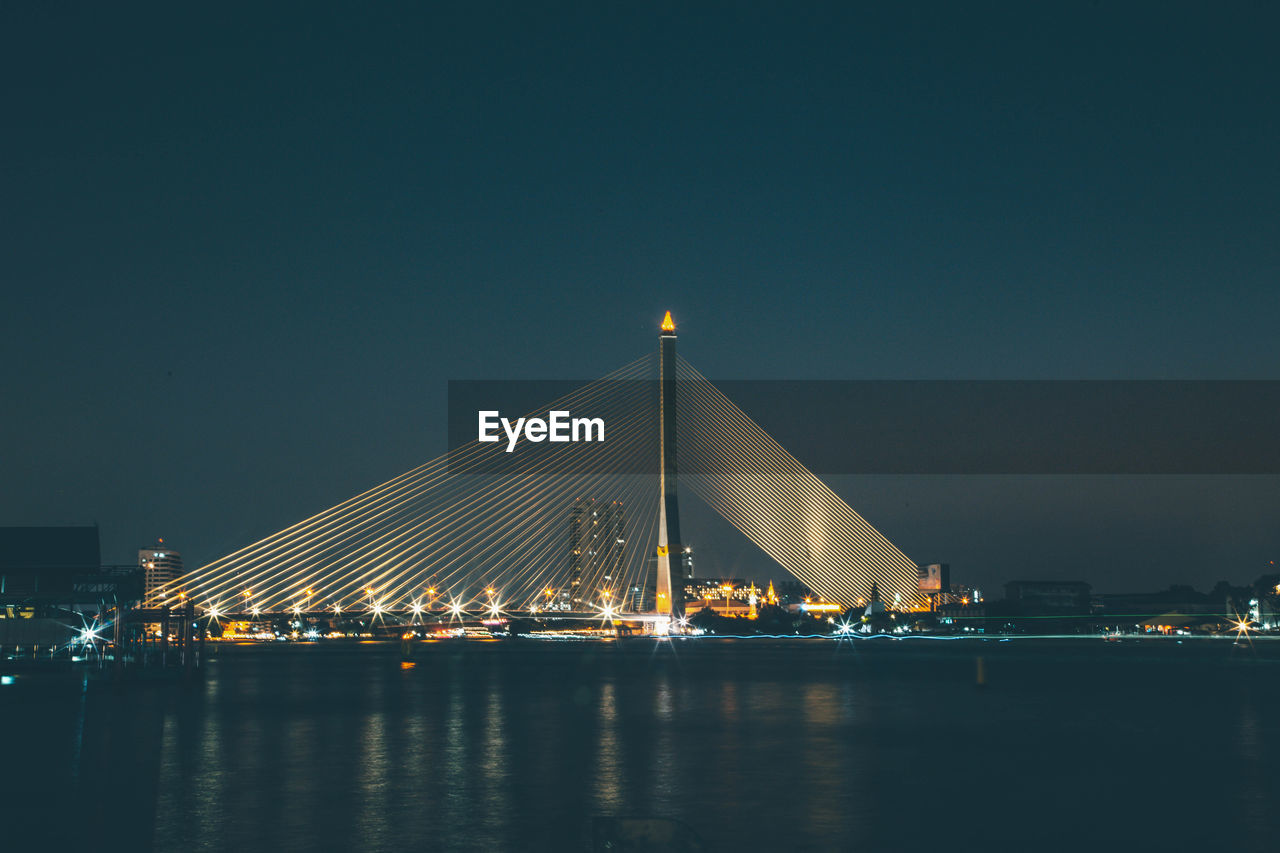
(243, 249)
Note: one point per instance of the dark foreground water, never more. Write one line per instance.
(756, 745)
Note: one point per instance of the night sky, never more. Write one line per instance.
(244, 249)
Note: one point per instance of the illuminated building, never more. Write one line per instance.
(726, 596)
(958, 593)
(1263, 611)
(817, 607)
(950, 610)
(712, 588)
(962, 594)
(722, 607)
(1170, 624)
(162, 566)
(597, 537)
(639, 599)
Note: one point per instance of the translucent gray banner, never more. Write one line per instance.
(889, 427)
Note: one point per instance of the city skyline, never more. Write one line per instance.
(288, 277)
(354, 495)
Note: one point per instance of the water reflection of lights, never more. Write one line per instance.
(608, 790)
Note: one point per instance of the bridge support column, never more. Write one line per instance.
(671, 578)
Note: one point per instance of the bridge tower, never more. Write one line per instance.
(670, 586)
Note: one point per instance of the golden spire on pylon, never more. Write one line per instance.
(668, 325)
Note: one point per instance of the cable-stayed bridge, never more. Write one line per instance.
(577, 528)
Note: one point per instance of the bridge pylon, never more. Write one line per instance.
(671, 554)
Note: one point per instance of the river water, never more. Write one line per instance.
(753, 744)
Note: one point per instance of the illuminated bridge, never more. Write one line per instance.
(571, 528)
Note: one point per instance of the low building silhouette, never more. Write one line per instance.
(42, 563)
(1050, 598)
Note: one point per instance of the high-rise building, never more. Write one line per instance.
(597, 537)
(162, 566)
(639, 599)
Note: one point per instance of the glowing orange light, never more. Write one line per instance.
(668, 325)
